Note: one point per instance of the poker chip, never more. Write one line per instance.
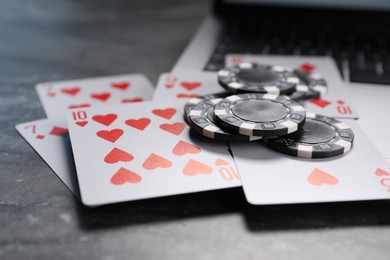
(320, 137)
(195, 101)
(317, 86)
(253, 78)
(300, 92)
(201, 119)
(256, 114)
(261, 101)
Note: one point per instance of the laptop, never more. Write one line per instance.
(355, 33)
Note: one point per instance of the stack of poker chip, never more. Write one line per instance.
(261, 103)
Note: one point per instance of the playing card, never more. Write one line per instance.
(58, 97)
(144, 150)
(50, 139)
(333, 103)
(185, 85)
(270, 177)
(374, 114)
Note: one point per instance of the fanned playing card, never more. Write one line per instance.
(334, 101)
(58, 97)
(270, 177)
(144, 150)
(185, 85)
(50, 139)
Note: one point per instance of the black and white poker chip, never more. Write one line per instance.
(190, 104)
(253, 78)
(201, 119)
(320, 137)
(317, 85)
(301, 91)
(256, 114)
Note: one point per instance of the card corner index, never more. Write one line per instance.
(21, 127)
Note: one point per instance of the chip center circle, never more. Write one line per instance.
(315, 132)
(260, 111)
(258, 76)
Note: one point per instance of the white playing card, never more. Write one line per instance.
(270, 177)
(185, 85)
(144, 150)
(374, 114)
(50, 139)
(58, 97)
(334, 103)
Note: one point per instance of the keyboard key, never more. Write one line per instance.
(369, 77)
(309, 52)
(280, 50)
(386, 66)
(362, 66)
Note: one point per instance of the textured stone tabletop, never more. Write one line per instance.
(47, 40)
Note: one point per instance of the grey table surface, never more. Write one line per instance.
(47, 40)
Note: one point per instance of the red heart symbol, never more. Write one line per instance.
(175, 128)
(154, 161)
(132, 100)
(380, 172)
(82, 123)
(193, 168)
(190, 85)
(307, 67)
(319, 177)
(182, 148)
(59, 131)
(105, 119)
(183, 95)
(167, 113)
(123, 175)
(110, 136)
(320, 102)
(40, 137)
(118, 155)
(102, 96)
(121, 85)
(220, 162)
(169, 85)
(71, 91)
(79, 106)
(140, 124)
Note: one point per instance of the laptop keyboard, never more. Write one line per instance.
(364, 51)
